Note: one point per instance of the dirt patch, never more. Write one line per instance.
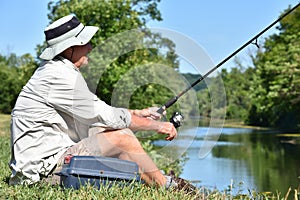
(4, 124)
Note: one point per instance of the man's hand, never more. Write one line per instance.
(168, 129)
(150, 113)
(147, 120)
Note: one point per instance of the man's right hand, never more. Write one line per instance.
(168, 129)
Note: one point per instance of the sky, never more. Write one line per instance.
(219, 27)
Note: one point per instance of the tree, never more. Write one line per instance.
(237, 83)
(276, 89)
(14, 73)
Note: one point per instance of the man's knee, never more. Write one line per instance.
(123, 139)
(126, 137)
(127, 132)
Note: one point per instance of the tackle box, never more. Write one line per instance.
(96, 171)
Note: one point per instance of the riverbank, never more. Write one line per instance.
(44, 191)
(218, 122)
(236, 123)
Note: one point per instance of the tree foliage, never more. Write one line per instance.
(276, 88)
(14, 73)
(235, 101)
(237, 83)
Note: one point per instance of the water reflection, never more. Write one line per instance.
(259, 159)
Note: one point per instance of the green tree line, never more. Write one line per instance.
(14, 73)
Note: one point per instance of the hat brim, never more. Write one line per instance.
(83, 38)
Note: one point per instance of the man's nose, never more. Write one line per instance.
(89, 46)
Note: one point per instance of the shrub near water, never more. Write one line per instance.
(134, 191)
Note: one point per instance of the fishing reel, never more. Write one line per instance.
(176, 119)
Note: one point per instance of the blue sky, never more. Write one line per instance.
(220, 27)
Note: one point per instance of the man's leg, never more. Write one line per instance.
(123, 144)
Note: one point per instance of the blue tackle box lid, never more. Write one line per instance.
(99, 166)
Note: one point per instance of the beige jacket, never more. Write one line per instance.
(54, 110)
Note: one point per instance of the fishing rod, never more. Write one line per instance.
(177, 117)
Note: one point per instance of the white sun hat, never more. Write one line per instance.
(66, 32)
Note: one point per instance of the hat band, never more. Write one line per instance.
(62, 29)
(70, 34)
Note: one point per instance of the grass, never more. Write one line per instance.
(133, 191)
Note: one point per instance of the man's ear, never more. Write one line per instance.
(67, 53)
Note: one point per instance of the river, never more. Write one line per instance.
(240, 160)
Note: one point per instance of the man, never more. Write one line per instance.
(55, 112)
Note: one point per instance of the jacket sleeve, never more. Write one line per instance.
(70, 94)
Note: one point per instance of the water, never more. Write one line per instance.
(246, 159)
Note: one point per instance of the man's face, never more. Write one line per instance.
(79, 54)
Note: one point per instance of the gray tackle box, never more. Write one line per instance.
(97, 170)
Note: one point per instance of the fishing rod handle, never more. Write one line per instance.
(161, 110)
(167, 105)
